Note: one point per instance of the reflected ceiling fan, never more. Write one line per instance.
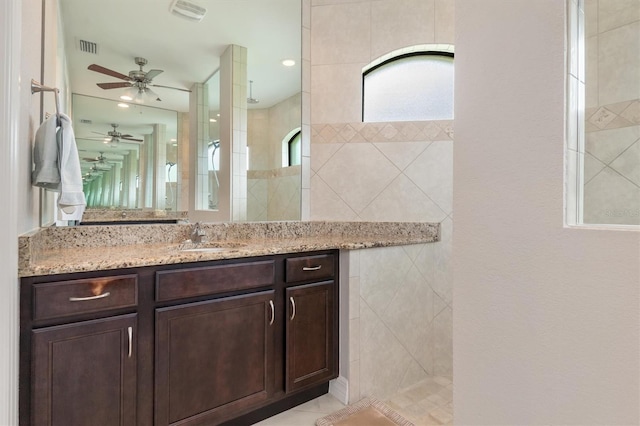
(113, 137)
(139, 81)
(100, 162)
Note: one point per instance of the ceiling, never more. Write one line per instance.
(187, 51)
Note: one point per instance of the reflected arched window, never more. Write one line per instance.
(410, 86)
(291, 148)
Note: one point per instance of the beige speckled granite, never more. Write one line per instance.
(122, 215)
(58, 250)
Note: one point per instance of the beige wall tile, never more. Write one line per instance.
(619, 64)
(442, 282)
(444, 21)
(378, 281)
(336, 93)
(431, 171)
(415, 17)
(591, 17)
(358, 173)
(402, 153)
(615, 13)
(402, 200)
(326, 204)
(443, 343)
(606, 145)
(628, 163)
(610, 198)
(340, 33)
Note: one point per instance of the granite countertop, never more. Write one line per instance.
(49, 251)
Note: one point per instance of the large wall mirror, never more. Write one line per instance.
(603, 126)
(137, 155)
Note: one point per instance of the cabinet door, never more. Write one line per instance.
(85, 373)
(213, 358)
(311, 337)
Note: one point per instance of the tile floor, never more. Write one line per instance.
(427, 403)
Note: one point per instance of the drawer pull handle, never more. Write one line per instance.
(130, 331)
(293, 308)
(82, 299)
(273, 312)
(312, 268)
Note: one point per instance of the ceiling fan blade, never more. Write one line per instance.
(90, 160)
(152, 73)
(132, 139)
(169, 87)
(107, 86)
(107, 71)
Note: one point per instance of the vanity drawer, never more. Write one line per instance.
(208, 280)
(66, 298)
(310, 268)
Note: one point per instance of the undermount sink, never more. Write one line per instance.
(210, 247)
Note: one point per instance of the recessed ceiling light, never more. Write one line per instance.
(122, 105)
(174, 144)
(126, 98)
(213, 120)
(218, 115)
(288, 62)
(174, 140)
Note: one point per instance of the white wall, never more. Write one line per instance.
(547, 318)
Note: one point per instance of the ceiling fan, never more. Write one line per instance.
(139, 81)
(113, 137)
(100, 162)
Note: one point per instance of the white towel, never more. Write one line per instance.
(71, 202)
(57, 166)
(45, 156)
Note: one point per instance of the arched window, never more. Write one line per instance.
(291, 148)
(409, 85)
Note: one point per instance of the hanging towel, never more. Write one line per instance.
(57, 166)
(45, 156)
(71, 202)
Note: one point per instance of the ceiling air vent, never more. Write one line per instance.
(188, 10)
(88, 47)
(85, 121)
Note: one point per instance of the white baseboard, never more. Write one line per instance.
(339, 388)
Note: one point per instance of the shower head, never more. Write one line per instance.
(251, 99)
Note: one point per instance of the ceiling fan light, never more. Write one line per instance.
(188, 10)
(126, 98)
(123, 105)
(288, 62)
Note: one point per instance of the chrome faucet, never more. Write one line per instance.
(197, 234)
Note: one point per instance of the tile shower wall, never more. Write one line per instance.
(273, 194)
(400, 298)
(612, 114)
(273, 191)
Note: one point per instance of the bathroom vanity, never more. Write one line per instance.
(196, 343)
(129, 325)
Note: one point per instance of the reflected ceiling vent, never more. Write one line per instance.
(87, 47)
(85, 121)
(188, 10)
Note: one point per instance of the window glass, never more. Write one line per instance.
(294, 150)
(409, 88)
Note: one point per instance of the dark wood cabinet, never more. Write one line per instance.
(310, 335)
(213, 358)
(85, 373)
(205, 343)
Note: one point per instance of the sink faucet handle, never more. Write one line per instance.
(197, 233)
